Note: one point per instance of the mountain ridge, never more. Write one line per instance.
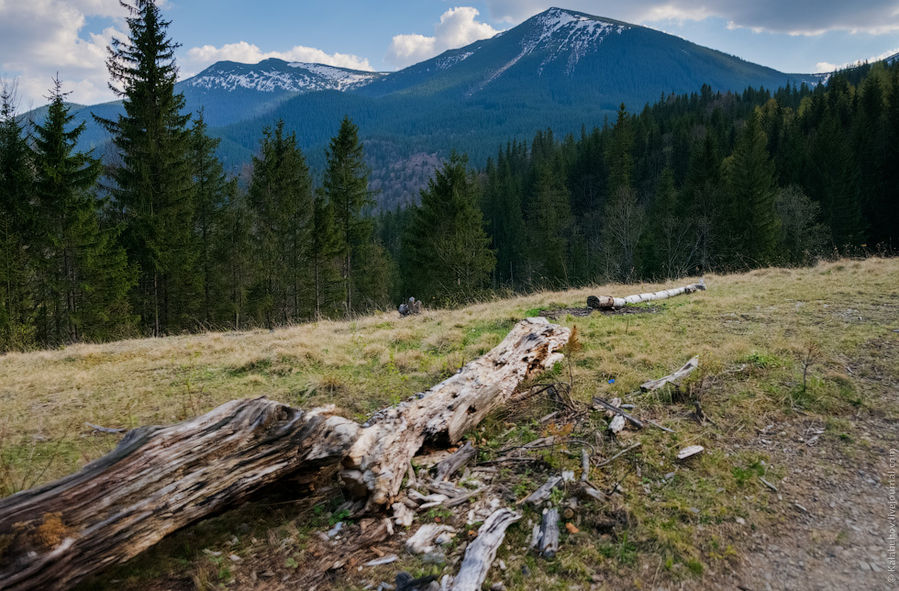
(561, 68)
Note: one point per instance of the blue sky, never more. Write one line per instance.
(41, 37)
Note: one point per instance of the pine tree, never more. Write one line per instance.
(749, 176)
(324, 250)
(346, 187)
(549, 227)
(85, 275)
(150, 183)
(233, 253)
(447, 254)
(16, 271)
(211, 192)
(280, 196)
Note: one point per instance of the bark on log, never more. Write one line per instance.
(609, 302)
(160, 479)
(688, 368)
(480, 554)
(446, 468)
(375, 465)
(548, 542)
(156, 481)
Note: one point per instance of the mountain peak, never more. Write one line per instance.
(274, 75)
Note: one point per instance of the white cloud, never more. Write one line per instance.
(40, 38)
(248, 53)
(800, 17)
(457, 27)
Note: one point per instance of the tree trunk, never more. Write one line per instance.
(608, 302)
(376, 464)
(160, 479)
(156, 481)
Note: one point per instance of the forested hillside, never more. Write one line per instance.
(160, 240)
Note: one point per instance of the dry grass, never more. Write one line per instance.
(772, 343)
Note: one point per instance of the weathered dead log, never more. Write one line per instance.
(687, 369)
(609, 302)
(156, 481)
(548, 540)
(375, 465)
(160, 479)
(446, 468)
(480, 554)
(543, 492)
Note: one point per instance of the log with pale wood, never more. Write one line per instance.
(610, 303)
(481, 552)
(684, 371)
(160, 479)
(375, 466)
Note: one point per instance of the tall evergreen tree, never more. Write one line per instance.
(446, 247)
(753, 220)
(280, 196)
(150, 182)
(84, 273)
(549, 228)
(16, 271)
(346, 187)
(211, 192)
(324, 249)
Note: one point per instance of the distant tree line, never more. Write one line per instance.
(159, 240)
(694, 183)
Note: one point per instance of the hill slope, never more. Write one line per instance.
(798, 374)
(560, 69)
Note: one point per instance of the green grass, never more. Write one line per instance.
(756, 335)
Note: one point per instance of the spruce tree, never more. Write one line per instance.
(324, 248)
(16, 271)
(280, 197)
(749, 176)
(84, 273)
(150, 181)
(211, 192)
(549, 227)
(346, 187)
(447, 254)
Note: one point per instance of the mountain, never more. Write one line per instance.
(560, 69)
(575, 56)
(231, 91)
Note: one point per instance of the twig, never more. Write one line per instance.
(618, 455)
(104, 429)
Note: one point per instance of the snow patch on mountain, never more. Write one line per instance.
(287, 77)
(571, 34)
(561, 33)
(444, 63)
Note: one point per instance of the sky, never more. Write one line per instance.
(40, 38)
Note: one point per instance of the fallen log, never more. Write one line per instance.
(160, 479)
(548, 538)
(156, 481)
(687, 369)
(480, 554)
(375, 465)
(610, 303)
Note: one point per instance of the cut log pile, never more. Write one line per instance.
(160, 479)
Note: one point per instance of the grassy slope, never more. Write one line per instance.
(753, 333)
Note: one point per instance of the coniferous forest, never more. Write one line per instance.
(157, 239)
